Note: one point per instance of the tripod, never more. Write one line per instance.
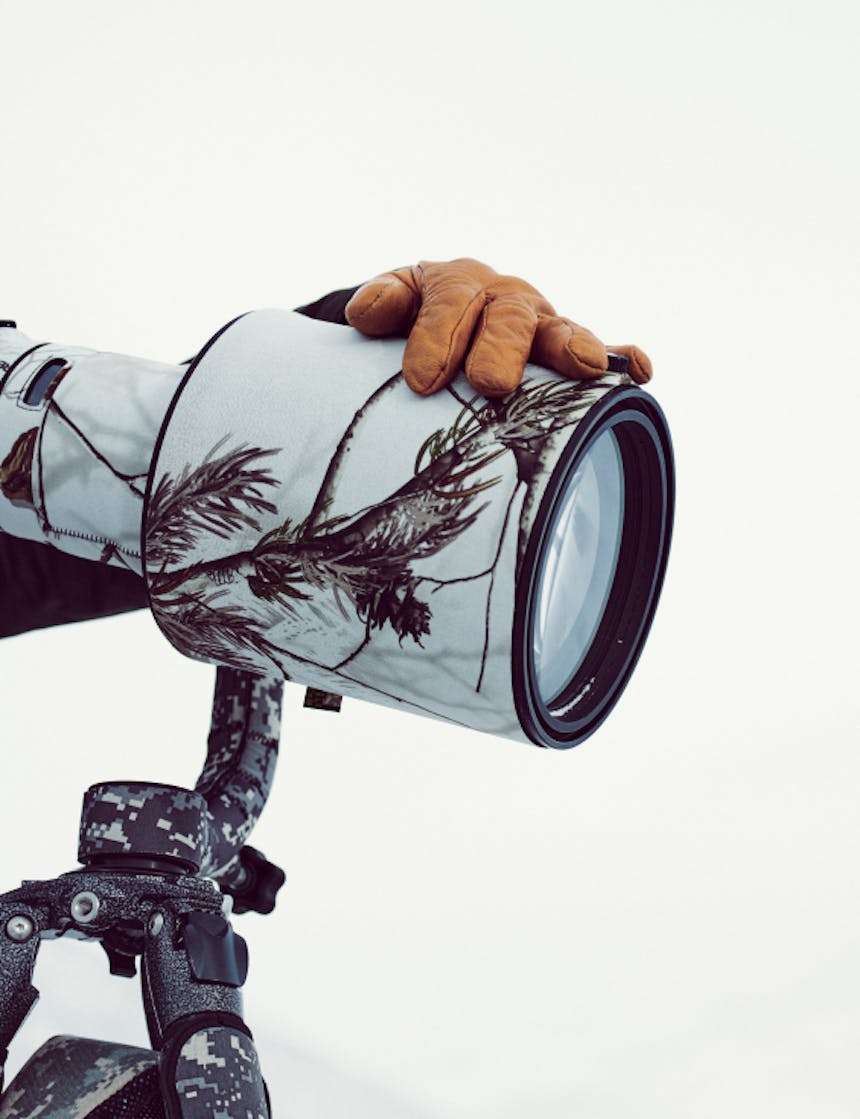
(163, 868)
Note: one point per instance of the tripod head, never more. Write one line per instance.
(163, 867)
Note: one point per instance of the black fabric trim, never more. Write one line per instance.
(331, 307)
(180, 1029)
(17, 362)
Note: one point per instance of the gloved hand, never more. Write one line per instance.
(465, 311)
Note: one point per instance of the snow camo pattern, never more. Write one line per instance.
(372, 546)
(77, 432)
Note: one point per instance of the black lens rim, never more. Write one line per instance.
(645, 446)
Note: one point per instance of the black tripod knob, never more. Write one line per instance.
(255, 882)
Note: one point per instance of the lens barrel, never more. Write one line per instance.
(491, 563)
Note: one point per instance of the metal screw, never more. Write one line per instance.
(85, 907)
(20, 928)
(156, 924)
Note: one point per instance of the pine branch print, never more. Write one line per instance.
(362, 564)
(221, 495)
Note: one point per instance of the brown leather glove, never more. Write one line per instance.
(449, 310)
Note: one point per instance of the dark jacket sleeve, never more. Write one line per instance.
(40, 587)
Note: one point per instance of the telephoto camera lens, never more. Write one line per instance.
(492, 563)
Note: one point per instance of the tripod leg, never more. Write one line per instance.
(193, 967)
(212, 1070)
(19, 945)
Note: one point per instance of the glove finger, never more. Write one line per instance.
(502, 345)
(387, 304)
(568, 348)
(638, 363)
(441, 335)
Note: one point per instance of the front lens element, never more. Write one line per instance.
(578, 566)
(592, 569)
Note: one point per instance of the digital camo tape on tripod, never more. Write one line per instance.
(77, 429)
(215, 1072)
(160, 824)
(77, 1078)
(495, 564)
(240, 762)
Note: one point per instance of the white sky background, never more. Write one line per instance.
(664, 922)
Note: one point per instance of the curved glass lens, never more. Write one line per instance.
(578, 566)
